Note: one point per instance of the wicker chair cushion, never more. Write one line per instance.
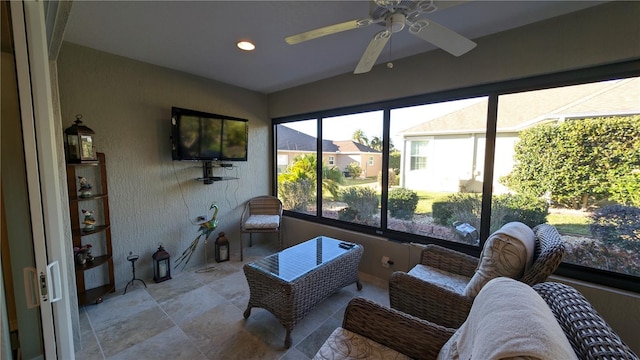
(450, 281)
(508, 320)
(262, 222)
(344, 344)
(507, 252)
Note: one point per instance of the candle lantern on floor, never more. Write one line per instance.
(222, 248)
(161, 265)
(78, 143)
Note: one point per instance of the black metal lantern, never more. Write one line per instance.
(78, 143)
(222, 248)
(161, 265)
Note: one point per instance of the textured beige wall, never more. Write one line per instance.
(599, 35)
(152, 198)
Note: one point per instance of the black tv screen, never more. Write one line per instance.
(197, 135)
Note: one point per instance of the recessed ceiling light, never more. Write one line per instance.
(246, 45)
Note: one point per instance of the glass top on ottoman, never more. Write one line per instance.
(291, 263)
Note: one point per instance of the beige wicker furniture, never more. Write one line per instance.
(262, 214)
(434, 289)
(589, 335)
(290, 283)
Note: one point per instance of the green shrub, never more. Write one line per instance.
(402, 203)
(354, 169)
(347, 214)
(466, 208)
(296, 195)
(361, 199)
(441, 212)
(393, 178)
(618, 225)
(528, 210)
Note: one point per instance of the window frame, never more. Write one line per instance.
(492, 91)
(414, 156)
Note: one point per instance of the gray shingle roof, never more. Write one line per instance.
(294, 140)
(521, 110)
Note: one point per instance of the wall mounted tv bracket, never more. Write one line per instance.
(207, 173)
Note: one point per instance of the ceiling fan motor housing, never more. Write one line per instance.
(395, 22)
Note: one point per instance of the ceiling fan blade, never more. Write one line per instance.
(327, 30)
(372, 52)
(442, 37)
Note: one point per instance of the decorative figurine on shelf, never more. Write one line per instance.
(83, 254)
(205, 229)
(89, 221)
(85, 187)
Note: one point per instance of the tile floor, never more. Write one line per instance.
(198, 315)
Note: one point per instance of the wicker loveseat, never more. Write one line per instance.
(434, 289)
(397, 335)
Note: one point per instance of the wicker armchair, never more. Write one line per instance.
(408, 335)
(591, 338)
(447, 305)
(262, 214)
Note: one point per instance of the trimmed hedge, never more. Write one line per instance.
(505, 208)
(402, 203)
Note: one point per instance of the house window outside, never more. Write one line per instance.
(370, 163)
(332, 160)
(282, 162)
(419, 155)
(449, 143)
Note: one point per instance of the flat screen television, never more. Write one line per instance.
(197, 135)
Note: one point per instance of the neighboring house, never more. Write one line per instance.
(291, 143)
(461, 134)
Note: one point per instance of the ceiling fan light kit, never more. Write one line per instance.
(396, 14)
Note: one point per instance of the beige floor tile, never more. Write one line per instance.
(199, 315)
(171, 344)
(132, 330)
(190, 304)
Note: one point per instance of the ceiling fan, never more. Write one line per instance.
(395, 15)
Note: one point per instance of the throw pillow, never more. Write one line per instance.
(508, 252)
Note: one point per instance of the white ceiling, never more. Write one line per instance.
(199, 37)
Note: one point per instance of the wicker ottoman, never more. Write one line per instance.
(290, 283)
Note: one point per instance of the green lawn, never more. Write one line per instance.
(426, 200)
(358, 181)
(570, 223)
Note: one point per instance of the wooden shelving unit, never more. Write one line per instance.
(101, 233)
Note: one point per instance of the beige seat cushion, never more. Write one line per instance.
(508, 252)
(262, 222)
(447, 280)
(508, 320)
(344, 344)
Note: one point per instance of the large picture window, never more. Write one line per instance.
(454, 171)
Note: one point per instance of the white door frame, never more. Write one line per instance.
(41, 162)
